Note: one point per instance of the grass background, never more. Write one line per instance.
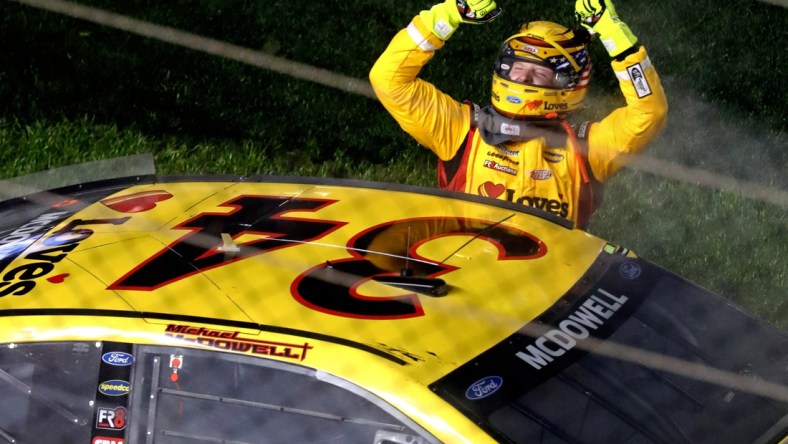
(72, 91)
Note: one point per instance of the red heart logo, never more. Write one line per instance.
(490, 189)
(137, 202)
(58, 279)
(533, 104)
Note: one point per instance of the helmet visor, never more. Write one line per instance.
(532, 73)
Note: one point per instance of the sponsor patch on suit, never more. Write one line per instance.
(642, 88)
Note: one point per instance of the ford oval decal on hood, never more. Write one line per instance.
(484, 387)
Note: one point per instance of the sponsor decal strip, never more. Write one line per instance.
(546, 346)
(112, 392)
(206, 320)
(227, 340)
(590, 316)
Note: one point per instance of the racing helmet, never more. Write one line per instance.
(549, 45)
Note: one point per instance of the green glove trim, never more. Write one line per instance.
(442, 19)
(477, 12)
(600, 17)
(614, 34)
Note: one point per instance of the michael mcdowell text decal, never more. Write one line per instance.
(549, 344)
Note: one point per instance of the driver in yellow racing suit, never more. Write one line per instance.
(521, 148)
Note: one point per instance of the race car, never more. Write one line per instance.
(156, 309)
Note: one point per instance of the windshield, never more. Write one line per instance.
(71, 392)
(627, 359)
(249, 398)
(48, 391)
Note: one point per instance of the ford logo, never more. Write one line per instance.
(513, 99)
(484, 387)
(117, 358)
(114, 387)
(629, 270)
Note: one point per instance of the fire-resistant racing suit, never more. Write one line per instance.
(547, 171)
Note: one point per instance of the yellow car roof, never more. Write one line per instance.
(289, 256)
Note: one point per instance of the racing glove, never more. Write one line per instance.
(444, 18)
(477, 12)
(599, 16)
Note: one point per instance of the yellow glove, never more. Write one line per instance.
(600, 17)
(477, 12)
(444, 18)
